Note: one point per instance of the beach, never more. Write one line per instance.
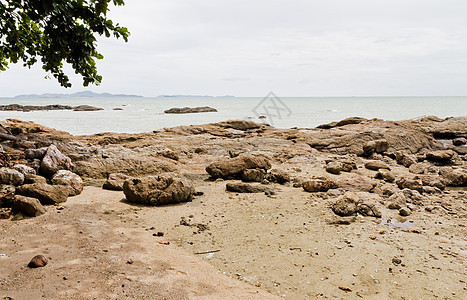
(356, 208)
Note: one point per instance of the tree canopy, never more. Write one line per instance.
(56, 32)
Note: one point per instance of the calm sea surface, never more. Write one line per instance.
(147, 114)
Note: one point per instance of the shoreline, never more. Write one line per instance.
(388, 225)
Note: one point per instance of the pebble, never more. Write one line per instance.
(38, 261)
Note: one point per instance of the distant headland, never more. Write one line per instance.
(83, 94)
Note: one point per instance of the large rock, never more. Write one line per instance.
(459, 141)
(442, 156)
(278, 176)
(241, 187)
(375, 165)
(115, 182)
(235, 166)
(334, 167)
(68, 178)
(158, 190)
(454, 177)
(358, 184)
(190, 110)
(351, 203)
(46, 193)
(25, 170)
(7, 195)
(378, 146)
(319, 185)
(35, 153)
(255, 175)
(30, 207)
(239, 124)
(405, 159)
(411, 184)
(54, 160)
(11, 176)
(386, 175)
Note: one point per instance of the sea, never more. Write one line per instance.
(145, 114)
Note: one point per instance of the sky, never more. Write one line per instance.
(300, 48)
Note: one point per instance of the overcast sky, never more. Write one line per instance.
(293, 47)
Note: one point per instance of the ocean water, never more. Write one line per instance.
(147, 114)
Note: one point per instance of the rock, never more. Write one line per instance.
(345, 205)
(25, 170)
(7, 195)
(368, 208)
(46, 193)
(38, 261)
(454, 177)
(240, 124)
(385, 175)
(419, 168)
(411, 184)
(35, 153)
(405, 159)
(405, 211)
(255, 175)
(319, 185)
(278, 176)
(115, 182)
(5, 213)
(54, 161)
(343, 220)
(86, 108)
(459, 141)
(348, 165)
(11, 177)
(414, 197)
(378, 146)
(358, 183)
(442, 156)
(30, 207)
(397, 201)
(68, 178)
(189, 110)
(240, 187)
(347, 121)
(334, 167)
(375, 165)
(28, 179)
(158, 190)
(432, 180)
(235, 166)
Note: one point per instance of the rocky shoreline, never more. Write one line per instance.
(351, 170)
(26, 108)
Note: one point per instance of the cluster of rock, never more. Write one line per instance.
(190, 110)
(25, 189)
(248, 168)
(25, 108)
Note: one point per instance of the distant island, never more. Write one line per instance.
(194, 96)
(83, 94)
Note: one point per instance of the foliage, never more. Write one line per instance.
(57, 32)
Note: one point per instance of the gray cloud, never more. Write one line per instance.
(295, 48)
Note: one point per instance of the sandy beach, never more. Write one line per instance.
(390, 225)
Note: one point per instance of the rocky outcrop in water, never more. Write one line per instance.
(190, 110)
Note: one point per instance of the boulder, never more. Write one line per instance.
(25, 170)
(46, 193)
(459, 141)
(115, 182)
(236, 166)
(345, 205)
(405, 159)
(30, 207)
(11, 177)
(68, 178)
(54, 161)
(334, 167)
(386, 175)
(239, 124)
(375, 165)
(278, 176)
(397, 201)
(419, 168)
(411, 184)
(158, 190)
(319, 185)
(189, 110)
(35, 153)
(241, 187)
(7, 195)
(28, 179)
(454, 177)
(378, 146)
(441, 156)
(358, 183)
(255, 175)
